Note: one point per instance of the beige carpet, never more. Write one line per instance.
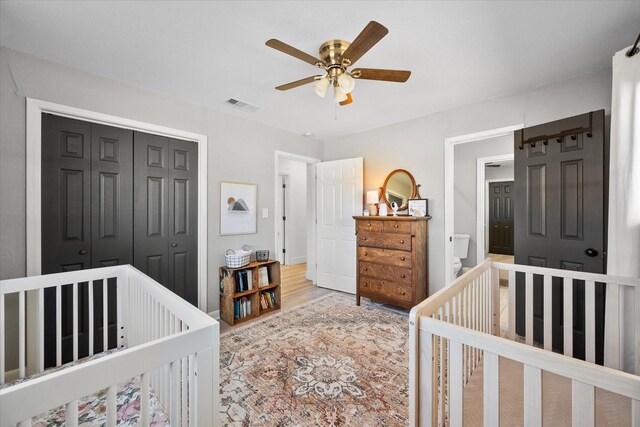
(326, 363)
(611, 409)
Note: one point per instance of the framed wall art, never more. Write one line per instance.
(238, 210)
(419, 204)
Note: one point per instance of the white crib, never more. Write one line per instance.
(465, 369)
(166, 344)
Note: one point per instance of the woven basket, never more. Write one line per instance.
(238, 258)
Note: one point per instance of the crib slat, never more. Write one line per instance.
(22, 321)
(532, 396)
(583, 403)
(590, 321)
(612, 337)
(455, 378)
(529, 308)
(144, 399)
(174, 411)
(112, 408)
(495, 301)
(91, 314)
(192, 390)
(512, 305)
(568, 316)
(2, 334)
(547, 310)
(40, 349)
(58, 325)
(184, 389)
(75, 321)
(71, 414)
(491, 393)
(426, 401)
(119, 304)
(635, 410)
(636, 292)
(105, 315)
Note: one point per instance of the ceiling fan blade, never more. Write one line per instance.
(290, 50)
(368, 38)
(297, 83)
(399, 76)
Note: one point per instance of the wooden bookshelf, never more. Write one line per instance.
(228, 294)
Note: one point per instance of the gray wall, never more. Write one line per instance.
(465, 186)
(417, 145)
(239, 149)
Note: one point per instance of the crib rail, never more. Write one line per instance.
(169, 344)
(451, 332)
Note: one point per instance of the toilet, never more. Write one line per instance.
(460, 250)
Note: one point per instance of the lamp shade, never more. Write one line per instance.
(339, 95)
(372, 197)
(320, 88)
(346, 82)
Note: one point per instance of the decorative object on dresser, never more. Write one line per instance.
(418, 207)
(392, 264)
(372, 201)
(249, 291)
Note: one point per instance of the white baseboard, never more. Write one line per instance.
(297, 260)
(215, 314)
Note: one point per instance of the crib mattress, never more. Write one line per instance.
(611, 409)
(92, 408)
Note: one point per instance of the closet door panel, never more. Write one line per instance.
(183, 219)
(112, 196)
(150, 206)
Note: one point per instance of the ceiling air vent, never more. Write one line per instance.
(241, 105)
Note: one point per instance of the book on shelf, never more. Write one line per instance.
(241, 307)
(268, 299)
(263, 277)
(243, 282)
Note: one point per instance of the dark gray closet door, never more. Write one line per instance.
(560, 219)
(165, 207)
(501, 218)
(183, 219)
(87, 221)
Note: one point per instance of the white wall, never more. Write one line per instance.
(296, 209)
(239, 149)
(417, 145)
(465, 158)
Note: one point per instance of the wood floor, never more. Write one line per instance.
(295, 290)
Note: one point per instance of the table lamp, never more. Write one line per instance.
(372, 201)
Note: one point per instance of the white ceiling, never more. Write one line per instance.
(204, 52)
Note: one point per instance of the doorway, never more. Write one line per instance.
(294, 214)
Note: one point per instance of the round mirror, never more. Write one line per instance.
(399, 187)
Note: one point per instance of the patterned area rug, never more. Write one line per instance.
(326, 363)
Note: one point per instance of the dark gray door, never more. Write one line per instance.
(165, 206)
(560, 195)
(87, 220)
(501, 218)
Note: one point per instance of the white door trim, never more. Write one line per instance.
(311, 186)
(35, 108)
(449, 143)
(480, 200)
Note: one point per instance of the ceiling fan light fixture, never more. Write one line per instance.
(346, 82)
(338, 94)
(321, 86)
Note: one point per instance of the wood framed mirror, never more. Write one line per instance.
(399, 187)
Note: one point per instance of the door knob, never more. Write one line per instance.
(591, 252)
(174, 245)
(82, 252)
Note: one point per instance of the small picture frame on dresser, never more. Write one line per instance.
(421, 205)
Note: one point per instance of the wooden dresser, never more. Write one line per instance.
(392, 259)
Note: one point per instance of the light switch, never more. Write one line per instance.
(265, 212)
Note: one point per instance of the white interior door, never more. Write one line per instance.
(339, 190)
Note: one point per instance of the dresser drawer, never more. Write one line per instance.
(385, 240)
(387, 272)
(384, 290)
(385, 256)
(396, 227)
(369, 225)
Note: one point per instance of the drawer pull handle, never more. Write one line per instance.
(403, 275)
(401, 258)
(364, 238)
(364, 253)
(365, 285)
(395, 225)
(403, 292)
(366, 269)
(401, 241)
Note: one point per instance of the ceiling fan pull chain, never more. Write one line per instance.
(335, 111)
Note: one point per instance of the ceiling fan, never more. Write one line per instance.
(336, 56)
